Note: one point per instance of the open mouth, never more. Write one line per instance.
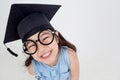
(46, 55)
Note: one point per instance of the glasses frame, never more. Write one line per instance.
(38, 40)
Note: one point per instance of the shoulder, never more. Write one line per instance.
(74, 64)
(73, 58)
(30, 69)
(72, 54)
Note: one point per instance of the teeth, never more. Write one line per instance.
(45, 55)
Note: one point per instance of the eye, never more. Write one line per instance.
(31, 46)
(45, 38)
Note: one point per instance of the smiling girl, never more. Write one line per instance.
(51, 56)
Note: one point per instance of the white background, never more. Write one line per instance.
(92, 25)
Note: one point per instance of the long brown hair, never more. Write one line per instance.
(62, 42)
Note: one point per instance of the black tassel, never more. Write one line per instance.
(10, 51)
(14, 54)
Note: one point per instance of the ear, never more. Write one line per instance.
(56, 32)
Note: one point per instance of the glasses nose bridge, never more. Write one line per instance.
(39, 45)
(37, 41)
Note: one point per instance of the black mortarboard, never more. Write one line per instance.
(27, 19)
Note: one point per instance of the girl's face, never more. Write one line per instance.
(47, 54)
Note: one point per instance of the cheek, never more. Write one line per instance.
(37, 58)
(54, 46)
(34, 56)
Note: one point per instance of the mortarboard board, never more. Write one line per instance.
(27, 19)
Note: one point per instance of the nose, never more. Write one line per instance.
(40, 47)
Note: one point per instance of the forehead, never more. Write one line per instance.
(33, 36)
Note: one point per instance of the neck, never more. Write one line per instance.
(54, 63)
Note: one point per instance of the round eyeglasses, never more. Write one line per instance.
(45, 37)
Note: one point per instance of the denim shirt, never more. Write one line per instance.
(61, 71)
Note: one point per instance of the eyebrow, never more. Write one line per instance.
(28, 43)
(44, 33)
(40, 35)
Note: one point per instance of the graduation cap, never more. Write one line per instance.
(27, 19)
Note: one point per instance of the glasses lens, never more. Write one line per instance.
(46, 37)
(30, 47)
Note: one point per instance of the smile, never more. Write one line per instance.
(46, 55)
